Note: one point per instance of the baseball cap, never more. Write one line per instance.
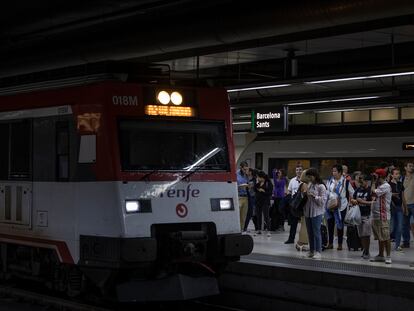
(381, 172)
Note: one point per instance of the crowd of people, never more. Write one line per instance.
(383, 200)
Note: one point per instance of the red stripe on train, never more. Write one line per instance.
(61, 247)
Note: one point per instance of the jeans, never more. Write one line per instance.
(397, 224)
(331, 228)
(262, 211)
(406, 224)
(313, 225)
(250, 212)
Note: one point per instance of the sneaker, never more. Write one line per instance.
(378, 259)
(289, 242)
(317, 255)
(310, 255)
(366, 256)
(388, 260)
(399, 249)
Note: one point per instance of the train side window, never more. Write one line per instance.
(4, 151)
(20, 149)
(62, 151)
(87, 149)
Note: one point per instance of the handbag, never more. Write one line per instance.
(297, 203)
(334, 201)
(353, 216)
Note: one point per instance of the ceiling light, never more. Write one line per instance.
(258, 88)
(293, 113)
(333, 100)
(335, 110)
(240, 123)
(386, 75)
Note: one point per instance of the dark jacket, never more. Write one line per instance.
(264, 197)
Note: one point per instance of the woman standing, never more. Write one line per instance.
(342, 189)
(263, 189)
(277, 211)
(314, 209)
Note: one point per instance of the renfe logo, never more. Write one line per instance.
(181, 193)
(125, 100)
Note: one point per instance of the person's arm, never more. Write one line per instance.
(404, 205)
(362, 201)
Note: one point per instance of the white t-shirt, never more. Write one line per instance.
(293, 185)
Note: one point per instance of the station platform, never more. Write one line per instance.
(274, 246)
(277, 276)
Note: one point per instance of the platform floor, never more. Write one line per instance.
(274, 245)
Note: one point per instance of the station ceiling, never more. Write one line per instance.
(362, 49)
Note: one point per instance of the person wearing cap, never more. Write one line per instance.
(381, 214)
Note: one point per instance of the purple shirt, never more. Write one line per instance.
(279, 189)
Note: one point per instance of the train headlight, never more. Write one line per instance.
(132, 206)
(176, 98)
(163, 97)
(221, 205)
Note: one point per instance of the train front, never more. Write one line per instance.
(178, 194)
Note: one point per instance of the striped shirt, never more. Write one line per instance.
(382, 204)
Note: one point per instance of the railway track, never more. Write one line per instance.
(27, 299)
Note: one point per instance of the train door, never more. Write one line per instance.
(15, 173)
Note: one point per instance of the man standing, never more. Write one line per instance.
(381, 214)
(292, 188)
(243, 184)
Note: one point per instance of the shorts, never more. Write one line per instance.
(381, 229)
(365, 228)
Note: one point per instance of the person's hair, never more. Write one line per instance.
(408, 162)
(338, 168)
(303, 177)
(253, 171)
(356, 174)
(244, 164)
(283, 173)
(299, 165)
(362, 177)
(314, 172)
(262, 174)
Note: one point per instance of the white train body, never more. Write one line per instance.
(75, 192)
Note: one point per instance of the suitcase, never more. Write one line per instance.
(324, 234)
(352, 238)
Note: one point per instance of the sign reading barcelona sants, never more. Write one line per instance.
(272, 119)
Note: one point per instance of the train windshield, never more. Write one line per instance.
(173, 145)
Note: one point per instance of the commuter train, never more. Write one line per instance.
(358, 153)
(121, 188)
